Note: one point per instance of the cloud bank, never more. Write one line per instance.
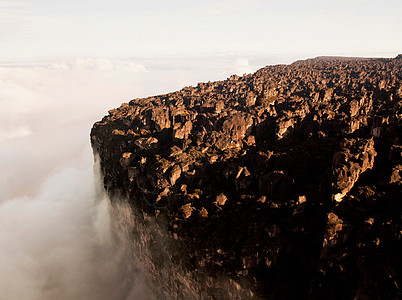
(56, 238)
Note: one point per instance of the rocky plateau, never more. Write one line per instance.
(282, 184)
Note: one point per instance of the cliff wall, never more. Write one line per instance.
(286, 181)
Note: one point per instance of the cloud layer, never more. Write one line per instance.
(56, 240)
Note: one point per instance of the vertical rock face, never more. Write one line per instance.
(285, 182)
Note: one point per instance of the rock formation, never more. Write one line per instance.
(286, 181)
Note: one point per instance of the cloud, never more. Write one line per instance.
(210, 11)
(58, 244)
(8, 4)
(14, 133)
(48, 108)
(243, 66)
(242, 62)
(100, 64)
(56, 237)
(324, 11)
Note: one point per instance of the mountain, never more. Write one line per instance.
(282, 184)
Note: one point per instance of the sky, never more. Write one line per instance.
(64, 64)
(287, 29)
(57, 236)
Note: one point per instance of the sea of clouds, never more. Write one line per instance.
(56, 238)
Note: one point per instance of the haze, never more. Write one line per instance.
(288, 29)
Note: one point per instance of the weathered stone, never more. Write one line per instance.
(174, 151)
(183, 131)
(355, 157)
(302, 199)
(220, 200)
(203, 213)
(186, 210)
(145, 143)
(396, 176)
(334, 225)
(125, 159)
(353, 108)
(160, 117)
(266, 141)
(285, 127)
(175, 174)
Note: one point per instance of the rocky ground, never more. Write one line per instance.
(286, 181)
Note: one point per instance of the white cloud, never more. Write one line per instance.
(57, 245)
(242, 62)
(10, 4)
(100, 64)
(210, 11)
(55, 239)
(14, 133)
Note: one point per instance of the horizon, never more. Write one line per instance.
(42, 29)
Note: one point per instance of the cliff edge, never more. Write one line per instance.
(286, 181)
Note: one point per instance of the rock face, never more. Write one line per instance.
(354, 158)
(287, 181)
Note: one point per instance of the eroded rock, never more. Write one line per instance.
(243, 174)
(355, 157)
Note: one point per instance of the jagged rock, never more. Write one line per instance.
(160, 118)
(355, 157)
(302, 199)
(281, 144)
(145, 143)
(175, 151)
(203, 213)
(334, 225)
(174, 174)
(396, 176)
(353, 108)
(182, 131)
(186, 210)
(285, 127)
(220, 200)
(126, 158)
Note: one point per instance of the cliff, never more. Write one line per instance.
(286, 181)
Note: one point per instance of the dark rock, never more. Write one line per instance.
(243, 174)
(396, 176)
(220, 200)
(355, 157)
(174, 174)
(186, 210)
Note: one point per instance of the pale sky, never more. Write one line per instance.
(43, 29)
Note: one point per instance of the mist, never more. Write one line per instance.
(58, 232)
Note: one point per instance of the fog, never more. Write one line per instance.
(57, 236)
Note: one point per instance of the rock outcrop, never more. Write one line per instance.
(286, 181)
(354, 158)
